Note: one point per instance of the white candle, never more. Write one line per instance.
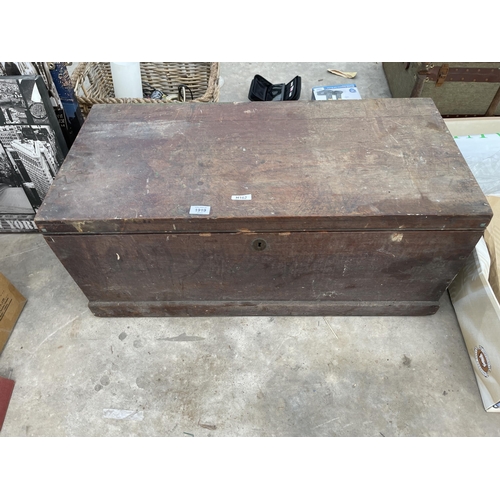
(127, 79)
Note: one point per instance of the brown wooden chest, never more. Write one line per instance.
(298, 208)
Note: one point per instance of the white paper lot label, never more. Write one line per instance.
(199, 210)
(241, 197)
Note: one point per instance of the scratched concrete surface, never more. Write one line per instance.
(77, 375)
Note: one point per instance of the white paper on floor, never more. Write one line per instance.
(122, 414)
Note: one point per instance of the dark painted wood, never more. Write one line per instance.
(274, 224)
(367, 164)
(268, 308)
(293, 266)
(358, 207)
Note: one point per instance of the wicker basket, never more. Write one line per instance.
(93, 82)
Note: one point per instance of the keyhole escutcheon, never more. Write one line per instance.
(259, 244)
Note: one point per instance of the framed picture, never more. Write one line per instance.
(32, 149)
(60, 89)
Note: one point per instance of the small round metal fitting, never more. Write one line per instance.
(259, 244)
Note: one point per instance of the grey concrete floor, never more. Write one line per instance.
(246, 376)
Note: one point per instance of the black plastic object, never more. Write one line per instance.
(262, 90)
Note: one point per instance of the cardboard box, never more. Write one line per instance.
(335, 92)
(11, 305)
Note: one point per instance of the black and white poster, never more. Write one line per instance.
(32, 149)
(60, 90)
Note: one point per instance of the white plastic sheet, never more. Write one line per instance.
(482, 154)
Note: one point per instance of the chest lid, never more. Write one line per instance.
(264, 166)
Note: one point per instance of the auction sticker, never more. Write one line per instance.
(241, 197)
(199, 210)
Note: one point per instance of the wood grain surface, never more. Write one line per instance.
(262, 308)
(296, 266)
(357, 207)
(335, 165)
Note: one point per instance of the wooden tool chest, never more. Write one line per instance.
(264, 208)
